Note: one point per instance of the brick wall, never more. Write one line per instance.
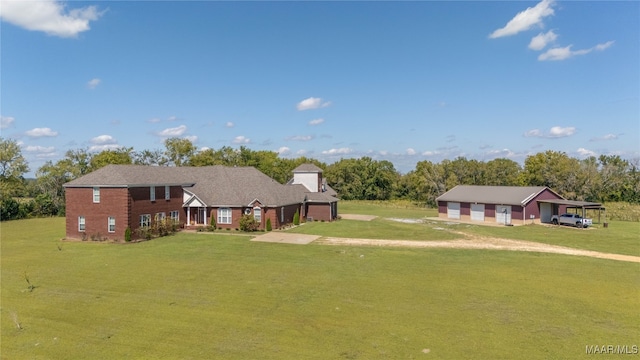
(140, 203)
(113, 202)
(319, 212)
(125, 205)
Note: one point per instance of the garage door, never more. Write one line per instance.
(453, 210)
(503, 214)
(477, 212)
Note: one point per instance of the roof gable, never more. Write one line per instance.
(507, 195)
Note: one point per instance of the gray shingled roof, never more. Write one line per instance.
(307, 168)
(215, 185)
(131, 176)
(507, 195)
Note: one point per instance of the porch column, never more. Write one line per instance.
(188, 215)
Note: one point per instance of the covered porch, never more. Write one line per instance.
(196, 211)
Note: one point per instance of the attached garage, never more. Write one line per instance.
(453, 210)
(477, 212)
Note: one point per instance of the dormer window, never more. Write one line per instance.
(152, 193)
(167, 192)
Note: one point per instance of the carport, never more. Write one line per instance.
(552, 207)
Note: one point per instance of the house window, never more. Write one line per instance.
(282, 214)
(145, 220)
(167, 192)
(112, 224)
(81, 223)
(224, 216)
(152, 193)
(175, 216)
(96, 194)
(257, 215)
(160, 216)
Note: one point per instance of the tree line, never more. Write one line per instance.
(606, 178)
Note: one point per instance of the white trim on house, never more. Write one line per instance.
(96, 194)
(111, 222)
(228, 214)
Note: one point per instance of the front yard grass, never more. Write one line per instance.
(191, 296)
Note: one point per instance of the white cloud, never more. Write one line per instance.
(431, 153)
(301, 152)
(586, 153)
(241, 140)
(411, 151)
(154, 120)
(526, 19)
(173, 132)
(556, 54)
(554, 132)
(340, 151)
(192, 138)
(229, 124)
(99, 148)
(312, 103)
(283, 150)
(540, 41)
(533, 133)
(41, 132)
(316, 121)
(93, 83)
(49, 16)
(504, 153)
(558, 131)
(172, 118)
(6, 121)
(39, 149)
(103, 140)
(383, 152)
(605, 138)
(300, 138)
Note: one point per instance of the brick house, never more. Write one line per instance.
(109, 200)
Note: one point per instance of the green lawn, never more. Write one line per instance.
(404, 210)
(621, 237)
(204, 296)
(379, 228)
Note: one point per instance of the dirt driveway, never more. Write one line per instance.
(480, 243)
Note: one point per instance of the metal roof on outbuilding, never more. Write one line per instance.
(500, 195)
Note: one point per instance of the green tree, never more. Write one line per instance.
(13, 166)
(150, 157)
(613, 171)
(501, 172)
(120, 156)
(553, 169)
(296, 218)
(426, 182)
(363, 179)
(179, 151)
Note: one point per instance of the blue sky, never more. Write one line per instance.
(398, 81)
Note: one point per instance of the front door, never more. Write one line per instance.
(202, 216)
(503, 214)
